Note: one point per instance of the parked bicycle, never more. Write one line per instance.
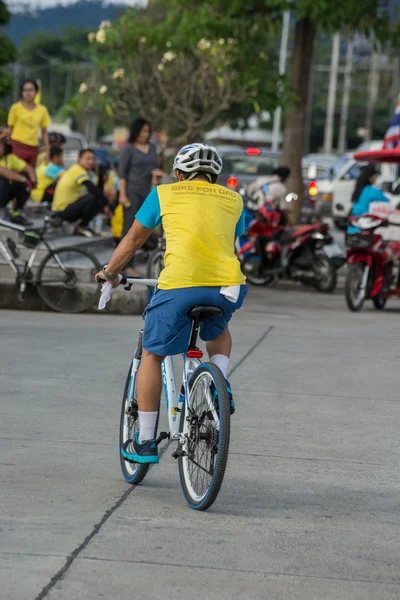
(198, 418)
(64, 278)
(155, 262)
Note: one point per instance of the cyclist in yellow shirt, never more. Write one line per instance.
(200, 221)
(24, 120)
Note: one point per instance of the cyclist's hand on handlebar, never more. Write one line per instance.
(101, 279)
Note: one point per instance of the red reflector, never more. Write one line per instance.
(232, 183)
(253, 151)
(312, 188)
(194, 354)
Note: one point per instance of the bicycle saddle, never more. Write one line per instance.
(202, 312)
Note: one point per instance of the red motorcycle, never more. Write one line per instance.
(305, 253)
(373, 264)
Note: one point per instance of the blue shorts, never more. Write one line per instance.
(168, 326)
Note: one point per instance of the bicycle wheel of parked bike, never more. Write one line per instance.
(155, 263)
(129, 423)
(66, 280)
(206, 426)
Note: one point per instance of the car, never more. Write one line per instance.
(242, 165)
(75, 142)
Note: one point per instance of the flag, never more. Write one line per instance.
(392, 136)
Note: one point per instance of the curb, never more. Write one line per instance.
(121, 302)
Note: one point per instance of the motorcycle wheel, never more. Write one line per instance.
(252, 269)
(379, 302)
(326, 275)
(355, 297)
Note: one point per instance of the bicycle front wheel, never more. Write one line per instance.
(66, 280)
(206, 428)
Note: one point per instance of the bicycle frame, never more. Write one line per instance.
(30, 262)
(174, 403)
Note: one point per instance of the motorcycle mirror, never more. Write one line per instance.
(291, 197)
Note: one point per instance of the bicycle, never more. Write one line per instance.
(198, 419)
(155, 262)
(64, 278)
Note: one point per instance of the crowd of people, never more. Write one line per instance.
(30, 168)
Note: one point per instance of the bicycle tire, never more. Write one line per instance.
(155, 263)
(203, 500)
(74, 289)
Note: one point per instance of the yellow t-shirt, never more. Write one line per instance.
(200, 221)
(26, 123)
(70, 188)
(45, 174)
(13, 162)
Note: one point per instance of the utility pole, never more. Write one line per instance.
(372, 94)
(282, 70)
(344, 113)
(330, 112)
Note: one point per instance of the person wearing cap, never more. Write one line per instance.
(364, 193)
(14, 188)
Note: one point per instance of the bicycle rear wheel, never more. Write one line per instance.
(129, 423)
(206, 427)
(66, 280)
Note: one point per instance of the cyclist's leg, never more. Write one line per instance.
(219, 351)
(148, 393)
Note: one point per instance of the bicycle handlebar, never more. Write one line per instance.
(138, 280)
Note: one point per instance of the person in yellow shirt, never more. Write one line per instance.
(76, 198)
(17, 179)
(200, 221)
(48, 175)
(24, 120)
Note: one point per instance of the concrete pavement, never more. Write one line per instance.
(309, 508)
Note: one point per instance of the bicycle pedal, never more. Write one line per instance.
(179, 452)
(163, 436)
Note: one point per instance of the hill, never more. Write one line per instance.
(85, 13)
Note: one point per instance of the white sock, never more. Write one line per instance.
(222, 362)
(147, 423)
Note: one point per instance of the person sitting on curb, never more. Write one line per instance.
(14, 188)
(48, 176)
(76, 198)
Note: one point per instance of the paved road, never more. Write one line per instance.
(309, 508)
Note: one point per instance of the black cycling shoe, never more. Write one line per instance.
(145, 452)
(214, 396)
(18, 218)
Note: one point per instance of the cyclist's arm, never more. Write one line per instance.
(147, 218)
(240, 226)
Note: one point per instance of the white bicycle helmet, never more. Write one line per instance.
(198, 158)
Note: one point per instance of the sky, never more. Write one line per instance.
(47, 3)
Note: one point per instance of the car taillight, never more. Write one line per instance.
(232, 183)
(253, 151)
(312, 188)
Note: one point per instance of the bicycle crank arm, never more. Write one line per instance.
(163, 436)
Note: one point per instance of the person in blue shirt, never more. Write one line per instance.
(364, 193)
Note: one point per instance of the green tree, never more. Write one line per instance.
(7, 53)
(366, 16)
(59, 61)
(184, 88)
